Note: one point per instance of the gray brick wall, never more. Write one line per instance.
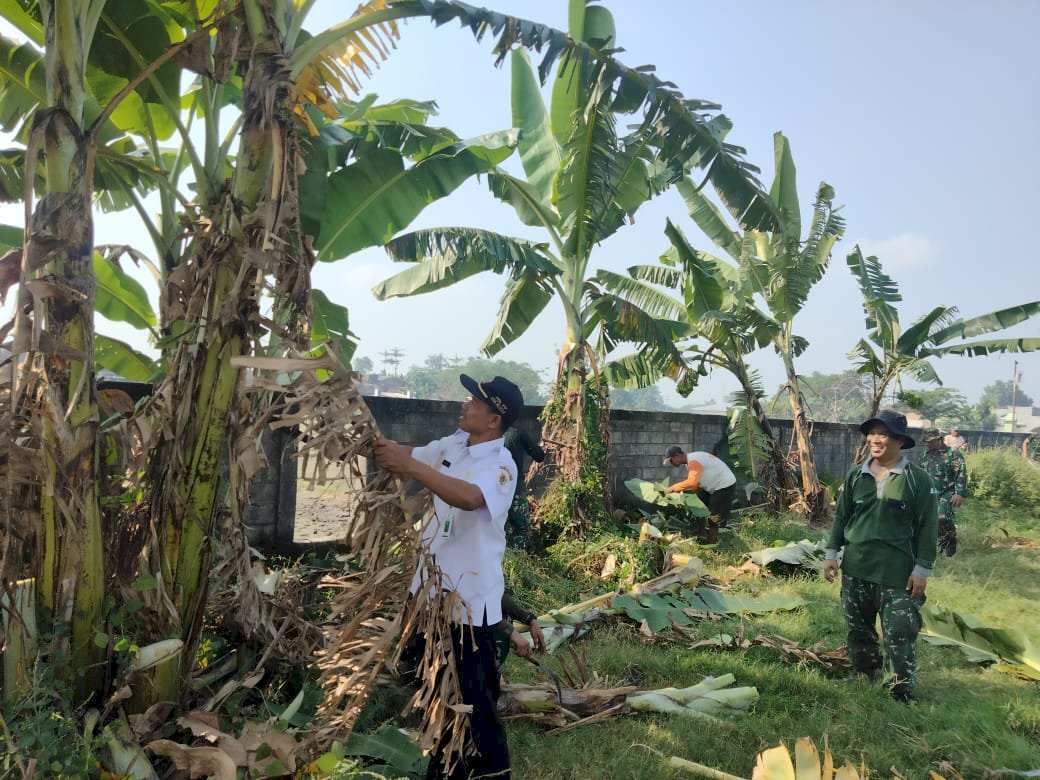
(638, 442)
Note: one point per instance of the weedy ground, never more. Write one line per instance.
(969, 718)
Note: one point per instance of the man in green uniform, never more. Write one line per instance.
(885, 525)
(949, 472)
(1031, 446)
(518, 522)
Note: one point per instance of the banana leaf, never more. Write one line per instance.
(806, 554)
(660, 611)
(657, 611)
(709, 600)
(388, 745)
(653, 493)
(1008, 648)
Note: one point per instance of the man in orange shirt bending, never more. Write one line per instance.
(712, 480)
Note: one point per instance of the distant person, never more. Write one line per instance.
(710, 478)
(1031, 446)
(518, 522)
(949, 473)
(955, 441)
(885, 524)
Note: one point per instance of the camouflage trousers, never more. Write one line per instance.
(862, 602)
(947, 528)
(518, 523)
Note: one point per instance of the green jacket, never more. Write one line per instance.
(885, 538)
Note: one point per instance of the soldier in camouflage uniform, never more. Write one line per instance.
(885, 525)
(949, 473)
(1031, 446)
(518, 521)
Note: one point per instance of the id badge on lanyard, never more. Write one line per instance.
(447, 522)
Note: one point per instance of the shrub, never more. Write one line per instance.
(1003, 476)
(584, 560)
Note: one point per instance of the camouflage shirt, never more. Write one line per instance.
(948, 471)
(1032, 449)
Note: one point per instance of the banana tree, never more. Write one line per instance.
(583, 178)
(780, 268)
(688, 314)
(54, 386)
(776, 267)
(218, 250)
(888, 352)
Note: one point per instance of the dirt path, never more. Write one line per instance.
(321, 513)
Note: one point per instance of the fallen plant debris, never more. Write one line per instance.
(776, 764)
(657, 605)
(1007, 648)
(782, 558)
(568, 707)
(1009, 541)
(747, 569)
(814, 655)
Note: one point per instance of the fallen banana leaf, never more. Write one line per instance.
(656, 612)
(1008, 648)
(390, 746)
(720, 603)
(804, 554)
(659, 612)
(563, 707)
(579, 615)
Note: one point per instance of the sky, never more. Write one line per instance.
(922, 116)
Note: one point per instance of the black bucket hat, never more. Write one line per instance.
(894, 422)
(503, 396)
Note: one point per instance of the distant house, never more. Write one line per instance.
(915, 420)
(1025, 418)
(388, 386)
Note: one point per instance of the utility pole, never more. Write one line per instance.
(392, 357)
(1014, 390)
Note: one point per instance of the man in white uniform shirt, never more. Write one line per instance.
(472, 477)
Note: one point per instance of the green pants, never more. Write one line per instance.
(947, 527)
(900, 613)
(518, 523)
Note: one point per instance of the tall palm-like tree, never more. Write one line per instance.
(583, 178)
(110, 101)
(777, 268)
(689, 314)
(781, 268)
(233, 232)
(888, 351)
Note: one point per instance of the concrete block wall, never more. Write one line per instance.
(271, 515)
(638, 442)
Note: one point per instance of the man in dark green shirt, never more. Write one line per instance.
(886, 524)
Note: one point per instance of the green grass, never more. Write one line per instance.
(971, 718)
(974, 718)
